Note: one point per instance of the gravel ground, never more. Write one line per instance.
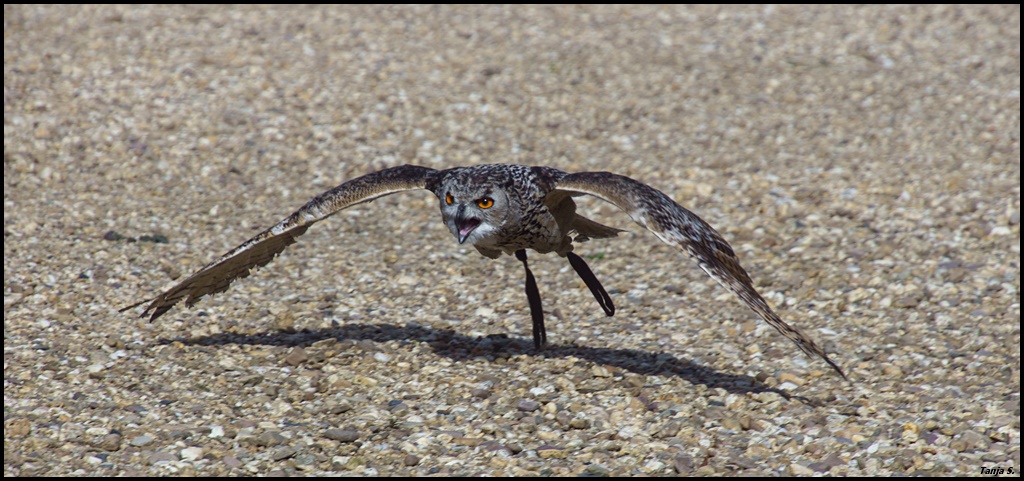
(864, 162)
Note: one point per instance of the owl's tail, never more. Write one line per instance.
(587, 229)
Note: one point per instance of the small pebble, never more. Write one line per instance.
(283, 453)
(192, 453)
(528, 405)
(270, 438)
(341, 435)
(296, 356)
(551, 452)
(800, 470)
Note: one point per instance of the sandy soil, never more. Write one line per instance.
(863, 161)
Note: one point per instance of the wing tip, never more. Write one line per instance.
(837, 368)
(812, 349)
(137, 304)
(153, 310)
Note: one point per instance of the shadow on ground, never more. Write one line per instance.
(458, 347)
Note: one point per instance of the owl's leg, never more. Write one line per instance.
(581, 268)
(540, 335)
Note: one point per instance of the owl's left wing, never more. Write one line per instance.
(261, 249)
(681, 228)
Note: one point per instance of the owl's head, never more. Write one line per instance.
(473, 215)
(473, 212)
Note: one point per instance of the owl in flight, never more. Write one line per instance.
(503, 208)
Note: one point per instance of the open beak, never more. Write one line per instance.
(465, 225)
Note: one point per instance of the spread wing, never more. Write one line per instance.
(261, 249)
(679, 227)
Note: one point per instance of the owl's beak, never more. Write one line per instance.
(464, 225)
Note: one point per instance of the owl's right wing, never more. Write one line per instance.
(683, 229)
(261, 249)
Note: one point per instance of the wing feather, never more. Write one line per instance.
(261, 249)
(683, 229)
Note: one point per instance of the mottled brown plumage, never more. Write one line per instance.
(506, 209)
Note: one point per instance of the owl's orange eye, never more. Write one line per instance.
(448, 199)
(485, 203)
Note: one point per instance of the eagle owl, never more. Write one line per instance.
(506, 209)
